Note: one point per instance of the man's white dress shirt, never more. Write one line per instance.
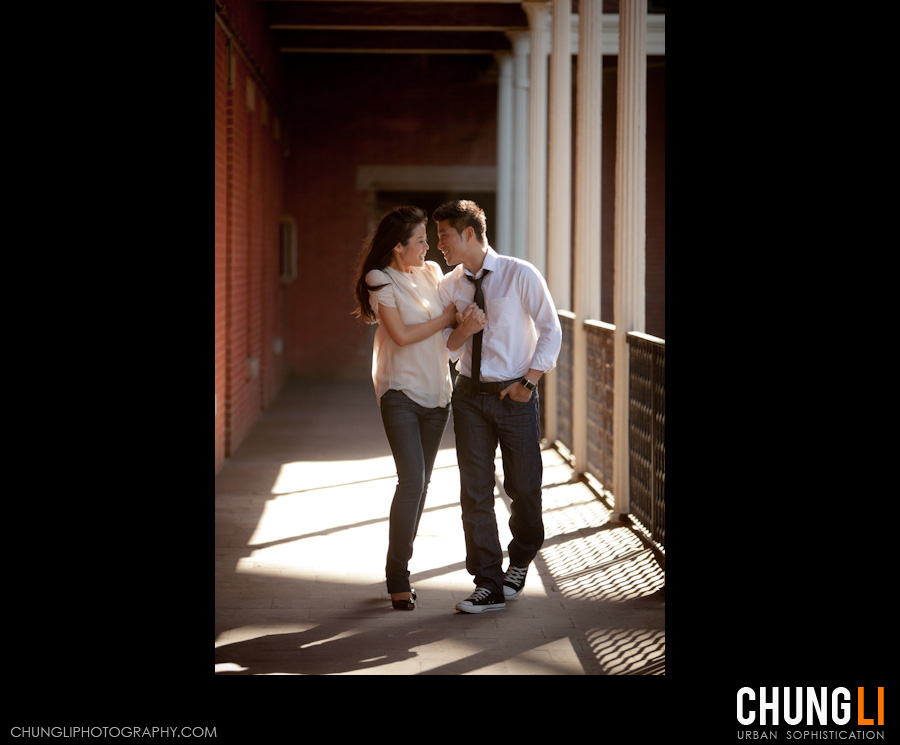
(522, 331)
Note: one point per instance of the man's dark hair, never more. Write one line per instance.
(462, 214)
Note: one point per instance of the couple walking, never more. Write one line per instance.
(493, 316)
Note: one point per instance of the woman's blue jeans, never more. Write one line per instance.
(414, 433)
(481, 421)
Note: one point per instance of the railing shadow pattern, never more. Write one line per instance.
(605, 571)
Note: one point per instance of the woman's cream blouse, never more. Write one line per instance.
(421, 370)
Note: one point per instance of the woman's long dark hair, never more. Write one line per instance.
(396, 226)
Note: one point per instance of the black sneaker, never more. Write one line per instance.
(481, 600)
(514, 582)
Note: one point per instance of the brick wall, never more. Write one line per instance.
(249, 198)
(220, 241)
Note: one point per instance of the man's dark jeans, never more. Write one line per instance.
(481, 421)
(414, 433)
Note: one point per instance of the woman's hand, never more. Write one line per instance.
(449, 316)
(471, 320)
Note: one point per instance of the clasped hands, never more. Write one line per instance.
(471, 320)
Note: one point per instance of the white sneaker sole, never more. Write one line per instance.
(479, 608)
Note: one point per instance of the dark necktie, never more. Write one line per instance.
(476, 339)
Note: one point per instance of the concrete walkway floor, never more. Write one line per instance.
(301, 537)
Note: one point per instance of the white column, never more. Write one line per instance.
(630, 229)
(500, 235)
(521, 44)
(586, 285)
(559, 164)
(559, 194)
(538, 20)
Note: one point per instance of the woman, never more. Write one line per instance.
(397, 289)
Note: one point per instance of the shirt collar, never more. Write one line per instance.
(490, 262)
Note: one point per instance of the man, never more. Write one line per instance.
(501, 354)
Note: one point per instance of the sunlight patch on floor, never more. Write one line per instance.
(307, 476)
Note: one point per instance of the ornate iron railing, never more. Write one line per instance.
(647, 417)
(600, 400)
(647, 433)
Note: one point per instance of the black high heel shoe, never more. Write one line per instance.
(405, 603)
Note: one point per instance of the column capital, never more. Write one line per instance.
(538, 12)
(520, 40)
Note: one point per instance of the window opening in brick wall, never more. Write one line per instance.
(287, 257)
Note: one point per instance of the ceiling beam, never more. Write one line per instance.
(396, 15)
(434, 42)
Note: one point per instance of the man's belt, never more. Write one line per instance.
(466, 383)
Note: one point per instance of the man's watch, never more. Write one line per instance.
(528, 384)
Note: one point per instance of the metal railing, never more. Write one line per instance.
(600, 400)
(647, 433)
(647, 416)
